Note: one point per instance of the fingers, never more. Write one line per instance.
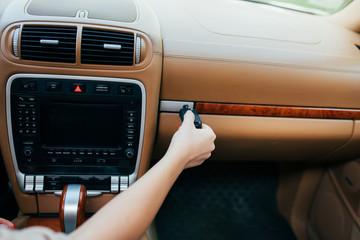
(189, 118)
(7, 223)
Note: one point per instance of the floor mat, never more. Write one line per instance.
(223, 201)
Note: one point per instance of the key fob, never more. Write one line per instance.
(197, 121)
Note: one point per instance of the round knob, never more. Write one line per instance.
(130, 153)
(28, 151)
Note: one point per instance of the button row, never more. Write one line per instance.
(82, 153)
(80, 161)
(56, 86)
(26, 99)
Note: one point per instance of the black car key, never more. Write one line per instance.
(197, 122)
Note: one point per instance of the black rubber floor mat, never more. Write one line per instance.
(223, 201)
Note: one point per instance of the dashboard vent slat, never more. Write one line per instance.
(47, 43)
(107, 47)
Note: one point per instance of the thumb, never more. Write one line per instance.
(189, 118)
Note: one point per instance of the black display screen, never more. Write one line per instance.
(81, 125)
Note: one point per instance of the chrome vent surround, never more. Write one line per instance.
(48, 43)
(107, 47)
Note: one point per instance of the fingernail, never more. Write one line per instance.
(13, 227)
(179, 127)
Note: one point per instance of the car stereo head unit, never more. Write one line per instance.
(70, 129)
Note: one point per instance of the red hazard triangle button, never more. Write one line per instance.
(78, 87)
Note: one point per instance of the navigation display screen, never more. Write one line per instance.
(81, 125)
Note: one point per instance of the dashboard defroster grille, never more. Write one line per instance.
(107, 47)
(48, 43)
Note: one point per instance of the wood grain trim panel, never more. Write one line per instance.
(276, 111)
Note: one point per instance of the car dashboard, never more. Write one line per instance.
(78, 106)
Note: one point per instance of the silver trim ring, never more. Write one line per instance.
(71, 207)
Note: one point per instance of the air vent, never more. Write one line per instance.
(107, 47)
(48, 43)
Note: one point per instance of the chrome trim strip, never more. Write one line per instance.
(49, 42)
(39, 184)
(16, 42)
(29, 184)
(114, 184)
(174, 106)
(112, 46)
(71, 206)
(138, 50)
(124, 183)
(19, 175)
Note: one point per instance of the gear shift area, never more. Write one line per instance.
(72, 207)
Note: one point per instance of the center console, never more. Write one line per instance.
(74, 129)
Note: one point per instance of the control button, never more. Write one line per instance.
(73, 152)
(32, 118)
(21, 99)
(33, 111)
(28, 151)
(130, 144)
(97, 153)
(28, 142)
(129, 153)
(131, 113)
(129, 90)
(27, 119)
(31, 105)
(130, 137)
(89, 153)
(102, 88)
(130, 125)
(78, 87)
(33, 125)
(82, 153)
(101, 161)
(31, 99)
(105, 153)
(131, 120)
(50, 152)
(27, 131)
(112, 153)
(130, 131)
(78, 160)
(28, 85)
(27, 111)
(20, 111)
(21, 131)
(33, 131)
(53, 86)
(32, 85)
(54, 160)
(66, 153)
(122, 90)
(58, 152)
(27, 125)
(21, 124)
(29, 160)
(21, 105)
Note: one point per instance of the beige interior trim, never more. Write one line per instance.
(243, 138)
(225, 55)
(343, 197)
(297, 188)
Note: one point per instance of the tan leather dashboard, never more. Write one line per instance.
(228, 53)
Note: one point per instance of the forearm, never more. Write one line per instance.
(130, 213)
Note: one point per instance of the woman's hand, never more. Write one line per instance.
(7, 223)
(190, 145)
